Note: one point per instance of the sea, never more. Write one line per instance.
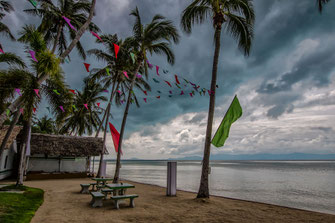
(308, 185)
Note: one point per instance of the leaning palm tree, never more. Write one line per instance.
(53, 24)
(154, 37)
(114, 77)
(321, 3)
(12, 60)
(82, 119)
(5, 6)
(238, 18)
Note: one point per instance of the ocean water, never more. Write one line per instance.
(308, 185)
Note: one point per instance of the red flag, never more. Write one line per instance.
(87, 66)
(145, 92)
(73, 91)
(145, 99)
(177, 79)
(98, 104)
(168, 83)
(182, 92)
(191, 94)
(158, 97)
(34, 109)
(115, 137)
(116, 50)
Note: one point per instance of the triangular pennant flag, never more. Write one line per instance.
(116, 50)
(34, 109)
(98, 104)
(105, 91)
(149, 64)
(73, 106)
(61, 108)
(18, 91)
(1, 51)
(158, 97)
(145, 99)
(96, 35)
(157, 69)
(87, 66)
(191, 94)
(56, 92)
(7, 112)
(132, 57)
(118, 91)
(170, 92)
(115, 136)
(32, 54)
(125, 74)
(73, 91)
(176, 77)
(155, 80)
(185, 80)
(233, 113)
(34, 3)
(86, 106)
(36, 91)
(68, 21)
(182, 92)
(107, 70)
(168, 83)
(145, 92)
(122, 102)
(138, 75)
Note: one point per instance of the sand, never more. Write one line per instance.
(64, 203)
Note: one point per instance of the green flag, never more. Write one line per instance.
(234, 112)
(132, 57)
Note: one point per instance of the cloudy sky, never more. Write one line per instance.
(286, 86)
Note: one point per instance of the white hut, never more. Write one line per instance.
(8, 155)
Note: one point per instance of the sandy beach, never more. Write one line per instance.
(64, 203)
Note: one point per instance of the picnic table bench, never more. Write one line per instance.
(123, 197)
(85, 188)
(97, 198)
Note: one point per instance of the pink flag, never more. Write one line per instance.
(157, 69)
(68, 21)
(32, 54)
(125, 74)
(36, 91)
(1, 51)
(21, 111)
(138, 75)
(18, 91)
(182, 92)
(96, 35)
(191, 94)
(122, 102)
(86, 106)
(118, 91)
(145, 92)
(98, 105)
(145, 99)
(87, 66)
(210, 92)
(168, 83)
(61, 108)
(170, 92)
(105, 91)
(115, 137)
(116, 50)
(149, 64)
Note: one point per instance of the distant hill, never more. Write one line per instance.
(265, 156)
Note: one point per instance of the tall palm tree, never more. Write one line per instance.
(238, 18)
(84, 120)
(5, 6)
(44, 125)
(321, 3)
(116, 78)
(154, 37)
(17, 103)
(53, 24)
(12, 60)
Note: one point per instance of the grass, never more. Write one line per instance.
(19, 208)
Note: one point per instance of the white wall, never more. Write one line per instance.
(69, 165)
(10, 154)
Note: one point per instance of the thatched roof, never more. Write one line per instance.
(12, 137)
(60, 145)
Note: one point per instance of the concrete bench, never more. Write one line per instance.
(97, 198)
(123, 197)
(85, 188)
(106, 191)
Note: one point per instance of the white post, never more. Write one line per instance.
(171, 189)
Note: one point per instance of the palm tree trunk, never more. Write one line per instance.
(80, 32)
(123, 125)
(9, 131)
(59, 31)
(26, 127)
(203, 189)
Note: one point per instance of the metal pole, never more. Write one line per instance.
(171, 189)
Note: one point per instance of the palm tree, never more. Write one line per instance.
(53, 24)
(5, 6)
(238, 18)
(321, 3)
(44, 125)
(154, 37)
(11, 59)
(17, 103)
(82, 120)
(116, 78)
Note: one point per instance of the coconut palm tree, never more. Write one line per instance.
(84, 120)
(12, 60)
(44, 125)
(238, 18)
(153, 38)
(5, 6)
(321, 3)
(53, 24)
(17, 103)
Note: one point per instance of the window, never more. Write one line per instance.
(6, 161)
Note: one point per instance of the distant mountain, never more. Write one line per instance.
(265, 156)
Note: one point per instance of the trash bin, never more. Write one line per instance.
(171, 189)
